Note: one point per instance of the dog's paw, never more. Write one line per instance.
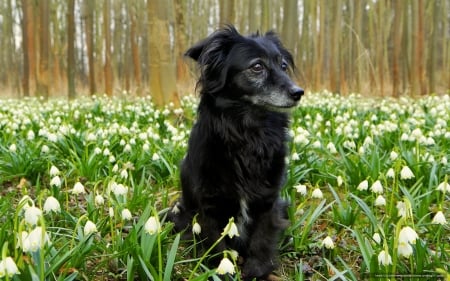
(254, 268)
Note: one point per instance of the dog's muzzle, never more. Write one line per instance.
(296, 93)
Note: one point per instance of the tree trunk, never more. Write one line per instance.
(290, 25)
(227, 13)
(43, 81)
(107, 36)
(89, 8)
(397, 47)
(71, 49)
(135, 47)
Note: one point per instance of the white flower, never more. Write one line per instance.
(155, 157)
(13, 148)
(380, 201)
(78, 188)
(390, 173)
(444, 187)
(328, 243)
(115, 168)
(295, 157)
(54, 171)
(45, 149)
(377, 187)
(127, 148)
(32, 215)
(97, 151)
(301, 188)
(404, 249)
(196, 228)
(152, 225)
(364, 185)
(124, 174)
(376, 237)
(126, 214)
(8, 267)
(340, 181)
(111, 212)
(407, 235)
(89, 228)
(384, 258)
(317, 193)
(406, 173)
(35, 240)
(331, 148)
(444, 160)
(439, 218)
(118, 189)
(231, 229)
(99, 200)
(393, 155)
(52, 205)
(401, 208)
(225, 267)
(55, 181)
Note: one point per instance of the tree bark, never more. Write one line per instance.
(43, 81)
(107, 36)
(71, 49)
(89, 8)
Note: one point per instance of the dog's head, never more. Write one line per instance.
(253, 69)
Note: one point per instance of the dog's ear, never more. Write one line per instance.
(211, 55)
(272, 36)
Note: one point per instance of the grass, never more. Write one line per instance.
(125, 154)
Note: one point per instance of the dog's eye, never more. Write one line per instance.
(257, 67)
(284, 66)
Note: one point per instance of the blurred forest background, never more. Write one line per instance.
(80, 47)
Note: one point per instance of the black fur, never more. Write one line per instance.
(235, 164)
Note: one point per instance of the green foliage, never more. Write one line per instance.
(125, 154)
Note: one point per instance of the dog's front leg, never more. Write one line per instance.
(262, 251)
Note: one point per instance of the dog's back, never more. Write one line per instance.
(235, 163)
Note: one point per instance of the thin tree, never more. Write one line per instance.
(107, 70)
(71, 49)
(88, 14)
(43, 81)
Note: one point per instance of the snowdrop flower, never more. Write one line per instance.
(404, 249)
(380, 201)
(376, 237)
(99, 200)
(52, 205)
(97, 151)
(231, 229)
(127, 148)
(406, 173)
(439, 218)
(196, 228)
(401, 209)
(295, 157)
(8, 268)
(35, 240)
(331, 147)
(119, 189)
(393, 156)
(407, 235)
(384, 258)
(30, 135)
(377, 187)
(89, 228)
(111, 212)
(301, 188)
(364, 185)
(78, 188)
(444, 160)
(32, 215)
(340, 181)
(328, 243)
(13, 148)
(126, 214)
(225, 267)
(317, 193)
(124, 174)
(55, 181)
(390, 174)
(115, 168)
(444, 187)
(54, 171)
(45, 149)
(152, 226)
(155, 157)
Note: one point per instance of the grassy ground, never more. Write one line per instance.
(84, 184)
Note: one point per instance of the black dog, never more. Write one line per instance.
(235, 164)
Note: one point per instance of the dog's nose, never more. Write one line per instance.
(296, 93)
